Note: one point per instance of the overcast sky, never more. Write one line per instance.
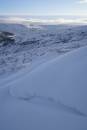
(44, 7)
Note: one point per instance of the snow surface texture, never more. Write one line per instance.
(51, 97)
(35, 44)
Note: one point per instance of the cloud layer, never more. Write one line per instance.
(44, 21)
(82, 1)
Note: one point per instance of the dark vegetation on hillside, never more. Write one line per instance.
(6, 38)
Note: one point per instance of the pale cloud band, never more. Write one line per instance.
(82, 1)
(43, 21)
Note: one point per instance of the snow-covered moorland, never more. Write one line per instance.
(51, 97)
(50, 90)
(28, 45)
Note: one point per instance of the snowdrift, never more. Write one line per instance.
(51, 97)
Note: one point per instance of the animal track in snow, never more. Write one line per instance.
(49, 102)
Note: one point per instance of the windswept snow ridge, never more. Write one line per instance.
(53, 76)
(43, 76)
(52, 96)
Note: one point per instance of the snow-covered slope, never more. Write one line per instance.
(34, 44)
(51, 97)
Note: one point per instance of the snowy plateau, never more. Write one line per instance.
(43, 77)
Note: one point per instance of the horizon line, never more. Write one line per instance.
(27, 14)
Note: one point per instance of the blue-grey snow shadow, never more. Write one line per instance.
(52, 103)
